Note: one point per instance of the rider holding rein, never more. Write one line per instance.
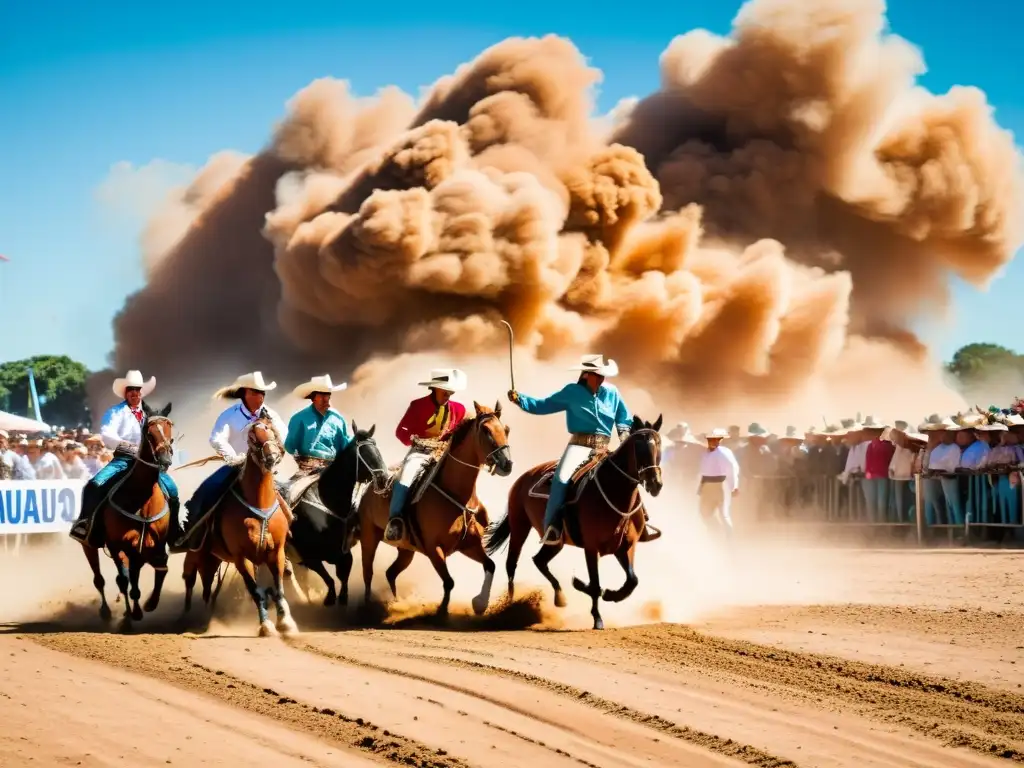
(121, 431)
(230, 440)
(434, 416)
(317, 433)
(592, 408)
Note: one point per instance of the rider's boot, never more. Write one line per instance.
(174, 531)
(178, 543)
(395, 531)
(80, 530)
(553, 515)
(649, 533)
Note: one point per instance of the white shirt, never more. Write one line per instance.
(902, 465)
(228, 437)
(855, 460)
(944, 458)
(120, 425)
(721, 463)
(48, 467)
(76, 469)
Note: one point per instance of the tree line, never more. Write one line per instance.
(61, 381)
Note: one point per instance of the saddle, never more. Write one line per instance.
(435, 450)
(581, 477)
(293, 488)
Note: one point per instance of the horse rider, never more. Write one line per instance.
(431, 417)
(592, 409)
(121, 431)
(230, 439)
(316, 433)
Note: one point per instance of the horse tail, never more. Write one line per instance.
(497, 535)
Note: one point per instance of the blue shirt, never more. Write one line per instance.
(316, 436)
(975, 454)
(585, 413)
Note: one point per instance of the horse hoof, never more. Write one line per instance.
(598, 624)
(137, 613)
(267, 629)
(150, 606)
(105, 612)
(329, 601)
(343, 599)
(287, 626)
(560, 601)
(479, 605)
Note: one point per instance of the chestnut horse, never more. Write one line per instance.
(136, 520)
(603, 516)
(249, 528)
(448, 517)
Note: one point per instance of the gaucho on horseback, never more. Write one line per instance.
(592, 409)
(230, 440)
(121, 430)
(316, 433)
(432, 417)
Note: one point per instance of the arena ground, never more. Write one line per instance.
(916, 661)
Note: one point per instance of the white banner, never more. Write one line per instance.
(39, 506)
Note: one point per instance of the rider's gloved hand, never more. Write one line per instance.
(513, 396)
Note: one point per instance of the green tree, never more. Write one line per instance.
(977, 361)
(60, 383)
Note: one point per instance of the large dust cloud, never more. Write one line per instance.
(766, 224)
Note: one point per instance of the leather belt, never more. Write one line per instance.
(712, 479)
(589, 441)
(310, 463)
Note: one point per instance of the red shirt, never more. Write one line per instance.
(424, 418)
(876, 463)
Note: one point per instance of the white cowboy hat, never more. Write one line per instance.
(993, 426)
(318, 384)
(792, 434)
(681, 433)
(448, 379)
(936, 423)
(134, 379)
(1013, 420)
(915, 436)
(252, 380)
(717, 434)
(596, 364)
(870, 422)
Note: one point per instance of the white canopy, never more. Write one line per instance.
(11, 423)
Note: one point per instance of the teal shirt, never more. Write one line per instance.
(316, 436)
(585, 413)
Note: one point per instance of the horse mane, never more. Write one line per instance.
(459, 433)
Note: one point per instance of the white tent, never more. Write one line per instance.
(11, 423)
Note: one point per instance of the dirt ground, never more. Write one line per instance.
(787, 656)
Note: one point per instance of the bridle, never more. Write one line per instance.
(378, 474)
(164, 444)
(654, 442)
(489, 459)
(275, 451)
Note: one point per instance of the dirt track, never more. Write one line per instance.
(913, 676)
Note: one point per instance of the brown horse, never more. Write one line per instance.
(137, 538)
(448, 517)
(604, 514)
(248, 529)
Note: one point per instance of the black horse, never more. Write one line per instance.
(323, 516)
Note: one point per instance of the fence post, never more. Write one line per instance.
(919, 507)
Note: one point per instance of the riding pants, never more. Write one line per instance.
(715, 498)
(412, 464)
(572, 457)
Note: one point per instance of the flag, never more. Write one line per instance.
(33, 397)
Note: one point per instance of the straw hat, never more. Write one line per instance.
(252, 380)
(717, 434)
(792, 434)
(681, 433)
(318, 384)
(134, 379)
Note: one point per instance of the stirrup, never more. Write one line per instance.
(649, 533)
(552, 536)
(395, 530)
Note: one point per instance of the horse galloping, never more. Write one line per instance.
(604, 514)
(448, 517)
(135, 519)
(249, 528)
(324, 517)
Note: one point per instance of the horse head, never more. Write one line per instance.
(645, 453)
(491, 437)
(370, 465)
(158, 430)
(266, 446)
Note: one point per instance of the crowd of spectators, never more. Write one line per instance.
(63, 454)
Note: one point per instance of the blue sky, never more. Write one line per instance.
(83, 90)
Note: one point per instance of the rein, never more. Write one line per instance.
(136, 460)
(357, 460)
(262, 513)
(634, 481)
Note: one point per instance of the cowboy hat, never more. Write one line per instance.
(870, 422)
(134, 379)
(917, 436)
(991, 426)
(252, 380)
(834, 430)
(448, 379)
(596, 364)
(1013, 420)
(936, 423)
(792, 434)
(717, 434)
(681, 433)
(756, 430)
(318, 384)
